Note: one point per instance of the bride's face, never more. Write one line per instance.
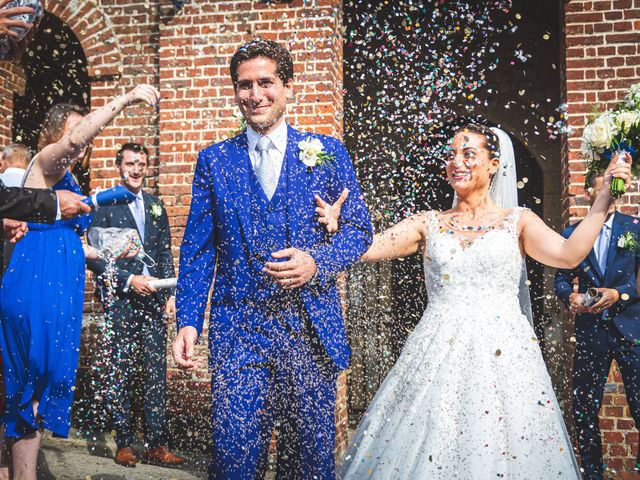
(469, 166)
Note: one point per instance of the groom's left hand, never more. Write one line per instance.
(294, 272)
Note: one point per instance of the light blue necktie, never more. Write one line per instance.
(264, 167)
(603, 247)
(138, 215)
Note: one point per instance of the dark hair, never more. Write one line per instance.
(491, 141)
(134, 147)
(590, 179)
(55, 120)
(263, 48)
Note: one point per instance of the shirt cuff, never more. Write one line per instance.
(58, 212)
(128, 284)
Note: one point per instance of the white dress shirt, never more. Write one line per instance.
(278, 147)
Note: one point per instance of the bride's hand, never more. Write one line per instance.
(143, 94)
(328, 215)
(620, 170)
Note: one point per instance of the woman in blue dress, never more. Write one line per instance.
(42, 294)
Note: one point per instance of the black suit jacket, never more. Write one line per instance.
(157, 244)
(27, 204)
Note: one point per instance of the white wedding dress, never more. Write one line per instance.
(470, 396)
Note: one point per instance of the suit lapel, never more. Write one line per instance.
(236, 172)
(128, 216)
(149, 223)
(617, 227)
(595, 266)
(297, 177)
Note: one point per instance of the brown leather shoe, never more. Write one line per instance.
(161, 456)
(125, 457)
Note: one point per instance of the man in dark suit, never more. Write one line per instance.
(607, 330)
(138, 311)
(20, 205)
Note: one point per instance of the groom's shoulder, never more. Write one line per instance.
(332, 144)
(220, 149)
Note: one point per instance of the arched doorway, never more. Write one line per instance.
(55, 67)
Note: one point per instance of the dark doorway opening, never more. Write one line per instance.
(56, 69)
(396, 85)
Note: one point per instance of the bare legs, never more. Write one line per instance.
(5, 457)
(19, 458)
(24, 456)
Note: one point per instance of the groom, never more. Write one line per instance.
(276, 333)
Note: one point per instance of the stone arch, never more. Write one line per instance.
(95, 33)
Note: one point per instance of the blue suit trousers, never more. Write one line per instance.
(274, 379)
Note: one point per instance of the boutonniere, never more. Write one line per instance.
(629, 241)
(312, 153)
(156, 210)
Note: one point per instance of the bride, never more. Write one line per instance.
(470, 396)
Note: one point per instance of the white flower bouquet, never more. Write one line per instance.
(611, 132)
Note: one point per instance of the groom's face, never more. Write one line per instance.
(261, 95)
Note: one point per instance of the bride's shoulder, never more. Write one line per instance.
(427, 216)
(426, 220)
(523, 216)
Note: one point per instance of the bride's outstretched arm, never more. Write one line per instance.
(401, 240)
(550, 248)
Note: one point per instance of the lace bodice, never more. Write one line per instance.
(473, 270)
(470, 396)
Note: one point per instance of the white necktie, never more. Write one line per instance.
(139, 217)
(264, 167)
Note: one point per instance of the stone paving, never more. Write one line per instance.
(79, 458)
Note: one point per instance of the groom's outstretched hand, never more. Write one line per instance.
(294, 272)
(330, 214)
(184, 348)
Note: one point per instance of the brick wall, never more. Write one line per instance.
(14, 82)
(602, 61)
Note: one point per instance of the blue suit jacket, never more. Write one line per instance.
(219, 237)
(622, 267)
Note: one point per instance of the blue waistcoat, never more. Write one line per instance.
(270, 222)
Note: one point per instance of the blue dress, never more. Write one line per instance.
(41, 304)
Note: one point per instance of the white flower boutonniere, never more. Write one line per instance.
(156, 210)
(628, 241)
(312, 153)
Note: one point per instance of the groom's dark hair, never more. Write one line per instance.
(263, 48)
(491, 141)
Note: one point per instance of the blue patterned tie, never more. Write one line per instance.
(264, 167)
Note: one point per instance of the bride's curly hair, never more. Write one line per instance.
(491, 142)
